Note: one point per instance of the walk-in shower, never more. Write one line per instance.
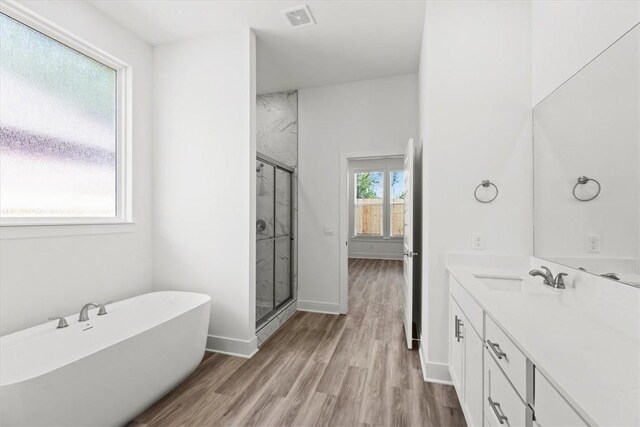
(274, 235)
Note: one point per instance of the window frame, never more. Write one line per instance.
(123, 202)
(390, 171)
(386, 203)
(356, 171)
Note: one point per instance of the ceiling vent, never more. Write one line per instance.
(299, 16)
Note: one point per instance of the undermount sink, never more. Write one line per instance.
(510, 284)
(501, 283)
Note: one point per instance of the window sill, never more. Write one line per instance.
(35, 231)
(376, 239)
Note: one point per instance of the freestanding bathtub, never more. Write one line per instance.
(105, 371)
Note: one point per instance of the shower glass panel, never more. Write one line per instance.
(283, 203)
(283, 270)
(265, 194)
(264, 278)
(273, 234)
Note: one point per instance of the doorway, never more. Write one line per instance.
(373, 211)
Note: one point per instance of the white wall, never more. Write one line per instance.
(364, 116)
(42, 277)
(475, 123)
(204, 198)
(568, 34)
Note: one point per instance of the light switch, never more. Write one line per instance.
(328, 231)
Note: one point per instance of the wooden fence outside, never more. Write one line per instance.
(368, 217)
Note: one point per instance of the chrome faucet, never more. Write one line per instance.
(62, 322)
(103, 308)
(547, 275)
(613, 276)
(84, 313)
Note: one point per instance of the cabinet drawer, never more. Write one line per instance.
(507, 355)
(468, 305)
(502, 405)
(550, 408)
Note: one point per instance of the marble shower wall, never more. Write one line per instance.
(277, 138)
(277, 126)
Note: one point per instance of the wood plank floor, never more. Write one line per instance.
(320, 370)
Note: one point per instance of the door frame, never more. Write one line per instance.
(345, 157)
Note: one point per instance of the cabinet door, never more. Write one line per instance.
(551, 409)
(456, 347)
(473, 374)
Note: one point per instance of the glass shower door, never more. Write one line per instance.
(283, 237)
(273, 233)
(265, 244)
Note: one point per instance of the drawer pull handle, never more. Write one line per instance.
(497, 410)
(455, 332)
(458, 324)
(496, 349)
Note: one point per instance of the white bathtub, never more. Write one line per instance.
(105, 371)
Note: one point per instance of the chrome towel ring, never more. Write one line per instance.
(582, 180)
(486, 184)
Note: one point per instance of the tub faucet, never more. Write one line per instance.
(84, 313)
(548, 279)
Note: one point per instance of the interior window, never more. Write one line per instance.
(369, 202)
(58, 129)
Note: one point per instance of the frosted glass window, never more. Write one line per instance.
(58, 134)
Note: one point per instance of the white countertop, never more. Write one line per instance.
(585, 340)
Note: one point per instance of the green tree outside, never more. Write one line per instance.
(367, 183)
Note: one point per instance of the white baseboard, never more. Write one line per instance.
(319, 307)
(437, 373)
(422, 360)
(232, 346)
(433, 372)
(392, 257)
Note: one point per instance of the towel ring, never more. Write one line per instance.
(582, 180)
(485, 183)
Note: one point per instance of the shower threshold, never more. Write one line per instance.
(265, 314)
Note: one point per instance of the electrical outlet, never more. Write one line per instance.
(478, 242)
(592, 243)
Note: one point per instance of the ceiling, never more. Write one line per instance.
(353, 40)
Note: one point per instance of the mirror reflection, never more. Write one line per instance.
(587, 166)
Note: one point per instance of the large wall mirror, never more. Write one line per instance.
(587, 166)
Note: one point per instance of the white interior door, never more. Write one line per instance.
(407, 282)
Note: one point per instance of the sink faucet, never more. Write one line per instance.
(613, 276)
(547, 276)
(84, 313)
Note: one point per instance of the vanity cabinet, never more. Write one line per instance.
(551, 408)
(507, 355)
(473, 377)
(456, 345)
(502, 403)
(465, 352)
(496, 383)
